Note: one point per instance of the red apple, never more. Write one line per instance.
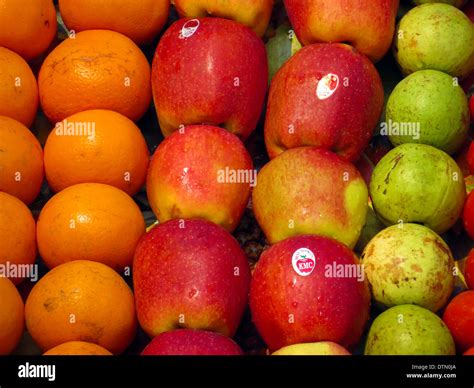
(185, 342)
(292, 305)
(367, 25)
(459, 317)
(209, 71)
(308, 190)
(470, 155)
(190, 274)
(469, 270)
(254, 14)
(201, 172)
(328, 96)
(470, 352)
(468, 215)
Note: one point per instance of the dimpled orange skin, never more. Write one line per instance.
(97, 69)
(28, 26)
(183, 179)
(90, 221)
(254, 14)
(22, 172)
(140, 20)
(17, 233)
(111, 150)
(78, 348)
(81, 301)
(12, 317)
(18, 88)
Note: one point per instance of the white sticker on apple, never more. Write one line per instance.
(189, 28)
(303, 261)
(327, 86)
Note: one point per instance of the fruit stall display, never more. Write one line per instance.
(236, 177)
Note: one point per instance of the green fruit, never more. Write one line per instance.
(372, 226)
(418, 183)
(428, 107)
(456, 3)
(435, 36)
(409, 263)
(409, 330)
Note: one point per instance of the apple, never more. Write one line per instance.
(186, 342)
(409, 264)
(309, 289)
(323, 348)
(308, 190)
(428, 107)
(459, 317)
(190, 274)
(468, 215)
(470, 158)
(328, 96)
(469, 271)
(456, 3)
(254, 14)
(201, 172)
(424, 40)
(409, 330)
(470, 352)
(365, 24)
(420, 184)
(209, 71)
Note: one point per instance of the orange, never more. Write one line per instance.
(81, 301)
(17, 235)
(99, 146)
(139, 20)
(78, 348)
(12, 317)
(21, 172)
(28, 26)
(90, 221)
(18, 88)
(95, 69)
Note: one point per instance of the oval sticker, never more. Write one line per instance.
(189, 28)
(327, 86)
(303, 261)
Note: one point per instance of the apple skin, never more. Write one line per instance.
(186, 342)
(217, 75)
(409, 330)
(288, 308)
(309, 190)
(365, 24)
(468, 215)
(424, 40)
(190, 274)
(459, 317)
(409, 263)
(343, 122)
(254, 14)
(470, 156)
(323, 348)
(429, 98)
(469, 272)
(418, 183)
(183, 177)
(469, 352)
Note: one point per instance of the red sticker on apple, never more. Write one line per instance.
(303, 261)
(189, 28)
(327, 86)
